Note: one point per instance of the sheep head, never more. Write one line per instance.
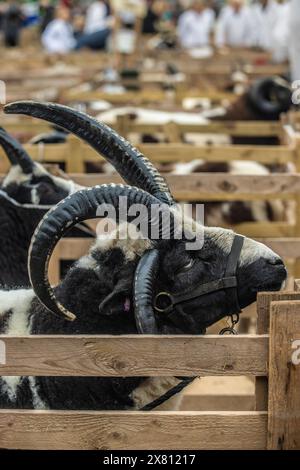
(28, 182)
(265, 99)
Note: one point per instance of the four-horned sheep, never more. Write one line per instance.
(126, 284)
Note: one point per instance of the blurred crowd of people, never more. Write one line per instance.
(71, 25)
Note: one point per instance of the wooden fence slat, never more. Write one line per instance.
(83, 430)
(284, 247)
(215, 186)
(74, 248)
(212, 402)
(284, 376)
(234, 128)
(264, 229)
(168, 153)
(215, 153)
(264, 301)
(135, 355)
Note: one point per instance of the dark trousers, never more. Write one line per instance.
(93, 41)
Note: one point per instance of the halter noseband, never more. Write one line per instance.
(228, 283)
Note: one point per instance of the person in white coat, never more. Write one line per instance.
(96, 17)
(97, 28)
(58, 37)
(265, 17)
(235, 25)
(294, 43)
(195, 25)
(281, 33)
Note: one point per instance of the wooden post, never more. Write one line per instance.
(264, 301)
(284, 376)
(75, 157)
(123, 125)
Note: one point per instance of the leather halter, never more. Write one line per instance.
(228, 283)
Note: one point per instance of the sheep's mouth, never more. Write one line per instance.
(273, 287)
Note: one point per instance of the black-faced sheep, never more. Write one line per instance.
(120, 286)
(27, 192)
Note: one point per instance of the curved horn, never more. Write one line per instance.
(80, 206)
(270, 96)
(134, 167)
(15, 152)
(145, 276)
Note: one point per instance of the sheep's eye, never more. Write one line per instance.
(187, 266)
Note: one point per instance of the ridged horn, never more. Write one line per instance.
(133, 167)
(15, 152)
(270, 96)
(145, 276)
(76, 208)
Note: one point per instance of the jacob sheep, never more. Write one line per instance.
(145, 284)
(27, 192)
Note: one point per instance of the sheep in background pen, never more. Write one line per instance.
(27, 192)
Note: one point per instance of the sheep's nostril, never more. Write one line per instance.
(276, 262)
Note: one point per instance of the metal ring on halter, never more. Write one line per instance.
(170, 300)
(228, 330)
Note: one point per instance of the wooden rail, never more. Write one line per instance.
(83, 430)
(135, 356)
(277, 427)
(233, 128)
(75, 154)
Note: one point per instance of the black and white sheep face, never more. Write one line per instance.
(113, 263)
(259, 269)
(37, 188)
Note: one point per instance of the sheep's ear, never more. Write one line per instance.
(117, 301)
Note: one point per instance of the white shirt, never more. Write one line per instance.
(294, 41)
(96, 18)
(58, 37)
(234, 28)
(265, 20)
(194, 28)
(281, 33)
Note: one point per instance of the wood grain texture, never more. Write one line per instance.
(284, 376)
(74, 248)
(237, 128)
(264, 301)
(212, 402)
(284, 247)
(216, 186)
(168, 153)
(82, 430)
(135, 355)
(212, 186)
